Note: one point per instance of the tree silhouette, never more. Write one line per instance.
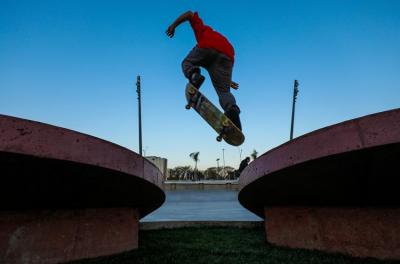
(254, 154)
(195, 157)
(180, 172)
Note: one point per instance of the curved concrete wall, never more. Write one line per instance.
(351, 165)
(80, 194)
(344, 164)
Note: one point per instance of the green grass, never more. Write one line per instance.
(218, 245)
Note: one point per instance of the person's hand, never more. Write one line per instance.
(170, 31)
(234, 85)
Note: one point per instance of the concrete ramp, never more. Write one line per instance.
(333, 189)
(66, 195)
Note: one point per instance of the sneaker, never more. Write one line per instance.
(233, 115)
(196, 79)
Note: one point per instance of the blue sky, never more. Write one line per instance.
(74, 64)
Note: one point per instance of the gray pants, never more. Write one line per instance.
(219, 67)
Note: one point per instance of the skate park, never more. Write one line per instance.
(91, 92)
(334, 190)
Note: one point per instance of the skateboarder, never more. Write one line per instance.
(243, 165)
(214, 53)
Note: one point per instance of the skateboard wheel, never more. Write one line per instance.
(188, 106)
(219, 138)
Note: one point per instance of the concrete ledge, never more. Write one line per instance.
(334, 189)
(182, 224)
(353, 163)
(44, 166)
(65, 195)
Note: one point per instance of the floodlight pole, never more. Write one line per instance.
(295, 92)
(140, 113)
(223, 158)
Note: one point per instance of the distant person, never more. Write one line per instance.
(214, 53)
(243, 165)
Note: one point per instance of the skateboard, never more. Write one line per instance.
(213, 116)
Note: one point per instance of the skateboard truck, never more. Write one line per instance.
(191, 103)
(225, 130)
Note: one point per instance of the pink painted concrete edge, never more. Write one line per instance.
(360, 133)
(32, 138)
(47, 141)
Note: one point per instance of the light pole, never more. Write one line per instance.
(240, 155)
(140, 113)
(295, 92)
(223, 157)
(216, 177)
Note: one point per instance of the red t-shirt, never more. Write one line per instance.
(208, 38)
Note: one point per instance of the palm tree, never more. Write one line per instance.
(254, 154)
(180, 172)
(195, 157)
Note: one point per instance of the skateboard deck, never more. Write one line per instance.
(213, 116)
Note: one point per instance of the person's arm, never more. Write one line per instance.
(182, 18)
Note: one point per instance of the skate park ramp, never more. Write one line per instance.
(82, 195)
(348, 170)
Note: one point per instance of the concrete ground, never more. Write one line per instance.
(201, 205)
